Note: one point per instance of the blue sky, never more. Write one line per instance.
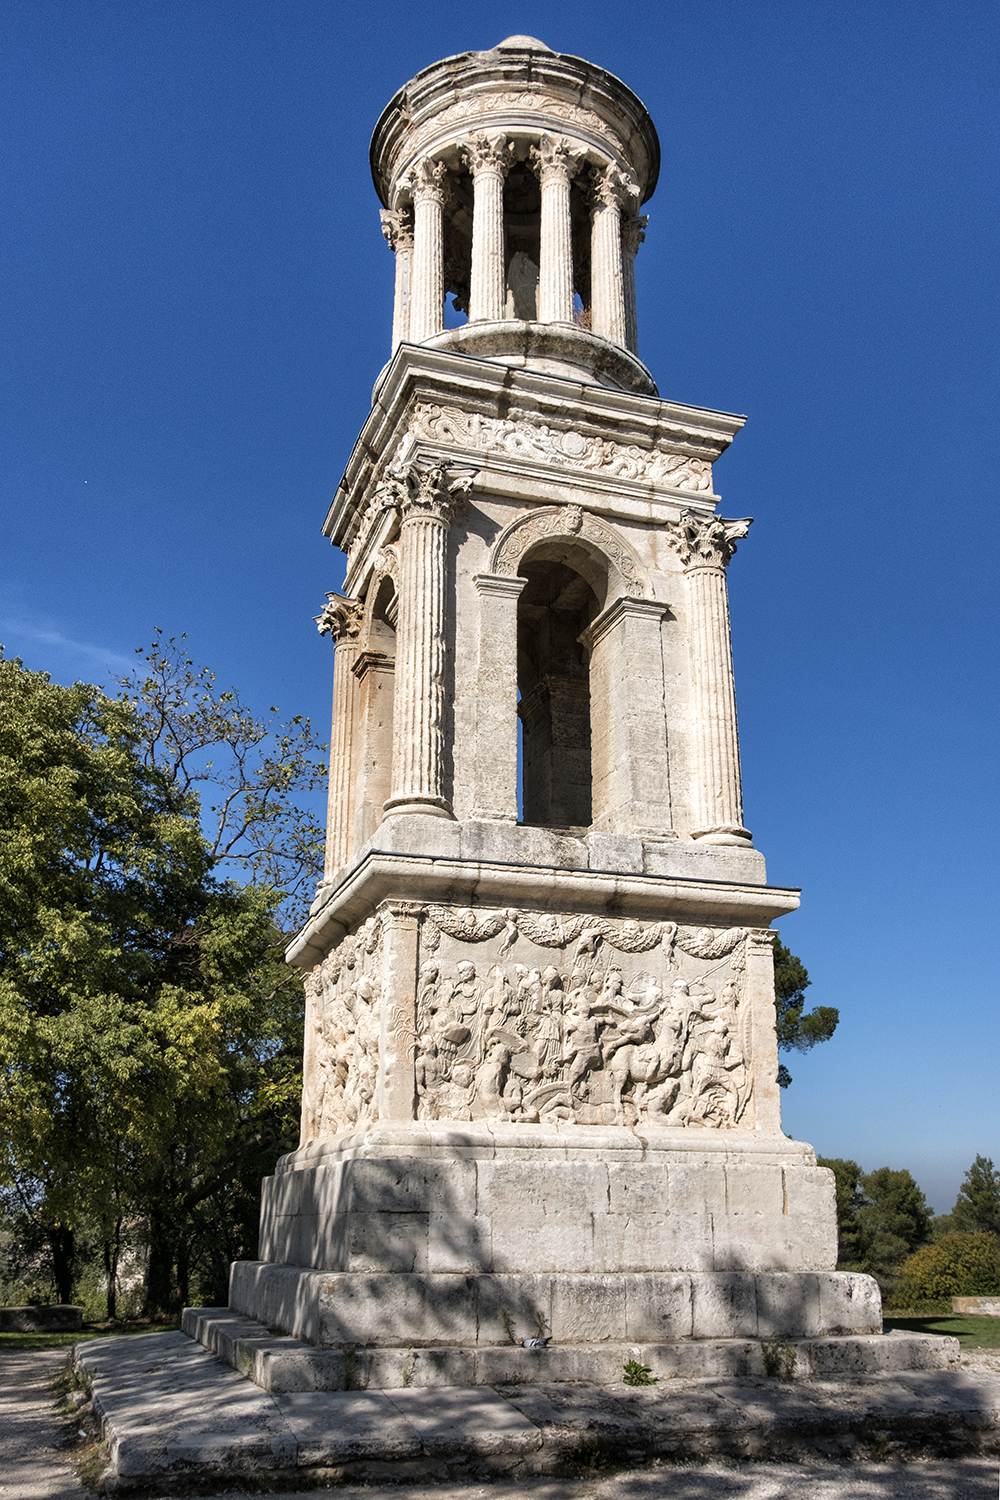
(196, 301)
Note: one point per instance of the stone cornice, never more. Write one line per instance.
(592, 449)
(380, 875)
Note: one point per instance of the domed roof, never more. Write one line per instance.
(521, 44)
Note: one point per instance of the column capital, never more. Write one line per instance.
(427, 181)
(426, 489)
(397, 227)
(702, 543)
(491, 154)
(554, 157)
(340, 618)
(609, 187)
(633, 233)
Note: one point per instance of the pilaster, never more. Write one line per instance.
(341, 620)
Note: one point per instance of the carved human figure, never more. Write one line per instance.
(454, 1097)
(490, 1078)
(581, 1043)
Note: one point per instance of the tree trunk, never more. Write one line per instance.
(61, 1240)
(160, 1267)
(112, 1251)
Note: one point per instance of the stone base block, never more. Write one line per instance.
(431, 1310)
(483, 1197)
(285, 1364)
(59, 1317)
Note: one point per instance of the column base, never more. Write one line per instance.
(725, 833)
(430, 807)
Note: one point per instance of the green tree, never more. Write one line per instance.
(850, 1199)
(957, 1265)
(798, 1030)
(149, 1029)
(977, 1206)
(893, 1221)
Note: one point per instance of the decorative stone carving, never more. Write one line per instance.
(487, 153)
(397, 227)
(569, 520)
(340, 618)
(501, 102)
(346, 1018)
(586, 1034)
(704, 543)
(430, 489)
(520, 438)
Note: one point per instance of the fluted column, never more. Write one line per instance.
(556, 165)
(705, 547)
(609, 191)
(488, 158)
(397, 226)
(341, 620)
(427, 186)
(633, 234)
(426, 499)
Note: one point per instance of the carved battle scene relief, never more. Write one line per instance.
(344, 996)
(528, 1016)
(536, 1017)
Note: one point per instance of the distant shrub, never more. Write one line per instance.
(956, 1265)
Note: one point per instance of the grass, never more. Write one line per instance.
(972, 1333)
(79, 1335)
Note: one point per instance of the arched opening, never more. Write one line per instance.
(564, 593)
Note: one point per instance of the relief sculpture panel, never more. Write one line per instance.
(535, 1017)
(345, 992)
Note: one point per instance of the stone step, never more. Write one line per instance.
(172, 1414)
(278, 1362)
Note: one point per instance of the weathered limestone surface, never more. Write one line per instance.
(169, 1410)
(540, 1076)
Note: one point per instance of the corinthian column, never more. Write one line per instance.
(425, 495)
(556, 165)
(705, 547)
(488, 158)
(633, 234)
(397, 226)
(341, 620)
(610, 190)
(427, 185)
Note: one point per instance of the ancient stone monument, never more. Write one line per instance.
(541, 1098)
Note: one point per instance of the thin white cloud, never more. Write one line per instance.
(16, 631)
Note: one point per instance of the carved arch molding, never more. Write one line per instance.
(572, 524)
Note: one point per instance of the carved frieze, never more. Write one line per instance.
(520, 438)
(535, 1016)
(498, 102)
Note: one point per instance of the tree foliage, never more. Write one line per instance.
(977, 1207)
(149, 1029)
(798, 1030)
(957, 1265)
(882, 1217)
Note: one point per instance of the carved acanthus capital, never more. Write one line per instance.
(633, 233)
(554, 157)
(489, 154)
(340, 618)
(427, 181)
(609, 187)
(426, 488)
(704, 543)
(397, 226)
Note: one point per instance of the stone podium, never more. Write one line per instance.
(540, 1083)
